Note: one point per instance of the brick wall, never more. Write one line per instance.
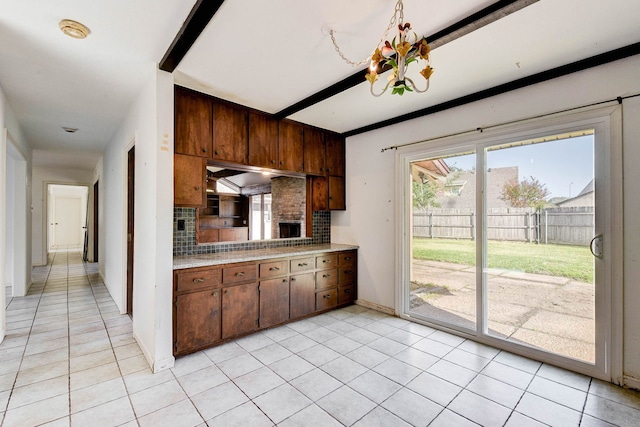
(288, 203)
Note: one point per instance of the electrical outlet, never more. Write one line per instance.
(181, 224)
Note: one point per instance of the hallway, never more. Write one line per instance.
(69, 359)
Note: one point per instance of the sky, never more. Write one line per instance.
(564, 166)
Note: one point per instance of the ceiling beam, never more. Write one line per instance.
(563, 70)
(195, 23)
(489, 14)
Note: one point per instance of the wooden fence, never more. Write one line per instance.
(564, 226)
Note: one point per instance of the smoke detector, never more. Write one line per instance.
(74, 29)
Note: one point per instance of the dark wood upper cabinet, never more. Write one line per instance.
(189, 180)
(319, 193)
(334, 151)
(230, 133)
(263, 141)
(314, 151)
(193, 123)
(336, 193)
(290, 146)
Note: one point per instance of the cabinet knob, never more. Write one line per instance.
(293, 279)
(347, 258)
(226, 292)
(347, 291)
(347, 272)
(273, 161)
(215, 294)
(328, 169)
(284, 280)
(326, 261)
(326, 296)
(321, 169)
(326, 275)
(197, 188)
(204, 150)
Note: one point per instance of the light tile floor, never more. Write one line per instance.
(70, 359)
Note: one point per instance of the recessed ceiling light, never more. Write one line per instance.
(74, 29)
(69, 130)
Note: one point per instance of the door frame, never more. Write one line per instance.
(608, 122)
(125, 207)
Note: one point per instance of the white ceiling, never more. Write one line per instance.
(269, 55)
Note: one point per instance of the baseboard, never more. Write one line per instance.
(631, 382)
(156, 366)
(376, 307)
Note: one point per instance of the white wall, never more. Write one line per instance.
(41, 178)
(10, 127)
(150, 122)
(370, 216)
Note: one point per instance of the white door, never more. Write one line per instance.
(67, 222)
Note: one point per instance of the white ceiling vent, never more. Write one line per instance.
(69, 130)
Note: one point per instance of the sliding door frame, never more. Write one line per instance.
(607, 122)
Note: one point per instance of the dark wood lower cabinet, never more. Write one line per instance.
(198, 320)
(303, 295)
(274, 302)
(239, 309)
(217, 303)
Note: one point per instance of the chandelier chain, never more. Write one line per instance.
(397, 18)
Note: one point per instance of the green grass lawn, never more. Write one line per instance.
(575, 262)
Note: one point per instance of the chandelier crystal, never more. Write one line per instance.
(395, 55)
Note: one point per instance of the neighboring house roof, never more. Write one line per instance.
(429, 170)
(460, 191)
(585, 198)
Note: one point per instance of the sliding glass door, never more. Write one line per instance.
(509, 239)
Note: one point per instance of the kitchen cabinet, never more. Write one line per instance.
(239, 309)
(230, 133)
(334, 154)
(189, 180)
(327, 193)
(314, 151)
(290, 146)
(263, 141)
(218, 303)
(197, 320)
(193, 118)
(336, 193)
(224, 219)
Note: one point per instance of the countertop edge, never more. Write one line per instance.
(209, 260)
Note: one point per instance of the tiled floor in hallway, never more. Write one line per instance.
(70, 359)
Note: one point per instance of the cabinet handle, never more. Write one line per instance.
(199, 280)
(347, 272)
(328, 169)
(293, 279)
(326, 296)
(347, 258)
(321, 169)
(242, 273)
(216, 152)
(204, 150)
(326, 275)
(274, 269)
(304, 264)
(326, 261)
(273, 161)
(284, 280)
(347, 291)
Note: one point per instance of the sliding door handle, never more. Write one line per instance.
(596, 246)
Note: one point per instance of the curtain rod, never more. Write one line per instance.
(618, 99)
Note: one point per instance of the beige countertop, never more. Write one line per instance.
(205, 260)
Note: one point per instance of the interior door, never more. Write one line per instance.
(67, 221)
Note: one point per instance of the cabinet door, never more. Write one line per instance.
(230, 133)
(303, 295)
(263, 141)
(336, 193)
(197, 317)
(313, 151)
(274, 302)
(239, 309)
(189, 180)
(334, 150)
(193, 123)
(290, 146)
(319, 193)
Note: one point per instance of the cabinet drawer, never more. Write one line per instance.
(326, 279)
(346, 259)
(192, 280)
(346, 276)
(240, 273)
(326, 299)
(327, 261)
(302, 264)
(346, 294)
(273, 269)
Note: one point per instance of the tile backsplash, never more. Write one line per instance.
(184, 241)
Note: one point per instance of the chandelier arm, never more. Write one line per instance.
(413, 85)
(383, 90)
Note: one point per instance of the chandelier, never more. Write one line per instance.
(395, 55)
